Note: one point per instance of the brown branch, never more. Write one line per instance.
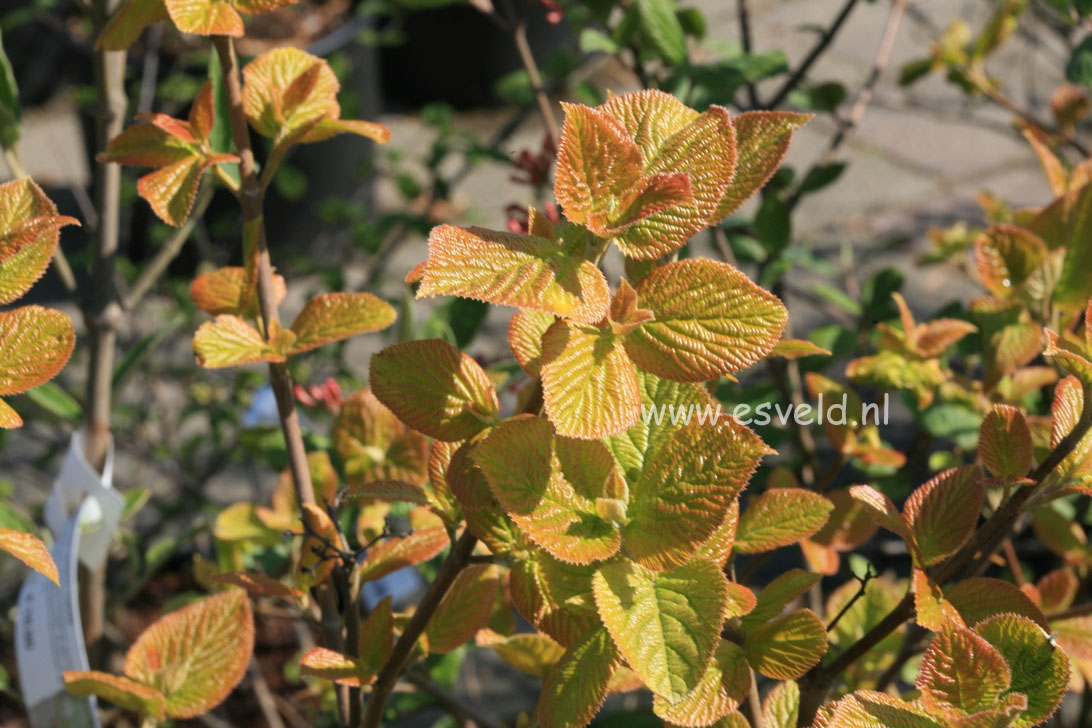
(545, 110)
(754, 703)
(1078, 611)
(388, 676)
(868, 576)
(814, 55)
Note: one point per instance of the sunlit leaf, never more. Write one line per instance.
(205, 17)
(434, 388)
(666, 624)
(762, 138)
(589, 384)
(196, 655)
(550, 487)
(710, 320)
(868, 709)
(553, 596)
(121, 691)
(402, 551)
(722, 688)
(962, 669)
(779, 517)
(507, 269)
(1039, 669)
(943, 512)
(226, 290)
(29, 549)
(35, 344)
(287, 89)
(330, 665)
(684, 491)
(464, 610)
(781, 706)
(979, 598)
(534, 654)
(29, 231)
(778, 594)
(933, 610)
(332, 317)
(577, 686)
(229, 341)
(1004, 442)
(786, 647)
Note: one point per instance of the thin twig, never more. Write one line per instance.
(170, 250)
(868, 576)
(1078, 611)
(264, 695)
(388, 676)
(743, 13)
(814, 55)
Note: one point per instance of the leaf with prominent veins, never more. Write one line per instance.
(589, 384)
(229, 341)
(550, 486)
(762, 138)
(779, 517)
(335, 316)
(576, 687)
(685, 490)
(667, 623)
(710, 319)
(507, 269)
(29, 549)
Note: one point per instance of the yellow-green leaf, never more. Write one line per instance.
(535, 654)
(229, 341)
(962, 669)
(685, 489)
(29, 231)
(377, 637)
(434, 388)
(667, 623)
(29, 549)
(127, 23)
(286, 89)
(399, 552)
(778, 594)
(525, 331)
(721, 690)
(978, 598)
(779, 517)
(869, 709)
(507, 269)
(484, 516)
(330, 665)
(932, 609)
(121, 691)
(375, 446)
(589, 384)
(465, 608)
(205, 17)
(797, 349)
(550, 487)
(577, 686)
(1039, 669)
(786, 647)
(332, 317)
(781, 706)
(942, 513)
(554, 596)
(35, 344)
(1004, 442)
(710, 320)
(762, 138)
(196, 655)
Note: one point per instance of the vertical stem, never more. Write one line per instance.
(102, 313)
(519, 35)
(743, 12)
(250, 200)
(754, 703)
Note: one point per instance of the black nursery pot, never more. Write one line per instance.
(456, 54)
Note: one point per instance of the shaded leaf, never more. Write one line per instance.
(525, 331)
(942, 513)
(402, 551)
(786, 647)
(1004, 442)
(121, 691)
(722, 688)
(464, 610)
(1039, 669)
(227, 290)
(330, 665)
(374, 445)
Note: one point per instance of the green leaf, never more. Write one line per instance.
(773, 224)
(778, 594)
(869, 709)
(435, 389)
(589, 385)
(229, 341)
(121, 691)
(59, 403)
(943, 512)
(1079, 68)
(465, 608)
(821, 176)
(1039, 669)
(819, 97)
(962, 669)
(710, 320)
(722, 688)
(550, 487)
(660, 25)
(553, 596)
(686, 488)
(196, 655)
(10, 110)
(781, 706)
(534, 654)
(786, 647)
(525, 271)
(335, 316)
(666, 624)
(779, 517)
(577, 686)
(1004, 442)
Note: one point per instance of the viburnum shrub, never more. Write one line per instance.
(615, 534)
(35, 342)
